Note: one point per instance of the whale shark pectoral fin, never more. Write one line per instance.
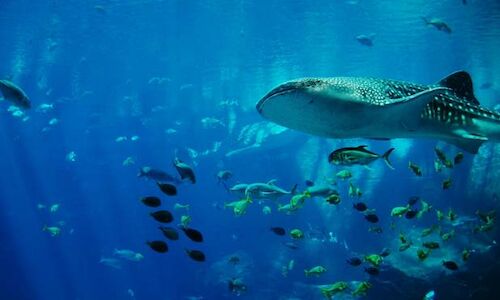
(409, 109)
(471, 145)
(461, 83)
(469, 136)
(467, 141)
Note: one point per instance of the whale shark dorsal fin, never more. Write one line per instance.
(272, 182)
(461, 83)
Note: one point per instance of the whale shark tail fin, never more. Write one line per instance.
(385, 156)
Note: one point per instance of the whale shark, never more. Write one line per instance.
(358, 107)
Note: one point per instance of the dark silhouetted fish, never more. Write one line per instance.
(360, 206)
(163, 216)
(151, 201)
(411, 214)
(14, 94)
(170, 233)
(167, 188)
(156, 175)
(309, 183)
(193, 234)
(278, 230)
(158, 246)
(372, 218)
(450, 265)
(354, 261)
(184, 170)
(366, 40)
(196, 255)
(372, 271)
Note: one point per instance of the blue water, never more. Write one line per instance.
(155, 69)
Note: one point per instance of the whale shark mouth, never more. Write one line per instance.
(287, 88)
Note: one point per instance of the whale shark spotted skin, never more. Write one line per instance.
(354, 107)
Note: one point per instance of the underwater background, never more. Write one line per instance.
(117, 86)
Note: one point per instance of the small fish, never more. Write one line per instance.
(163, 216)
(360, 206)
(234, 260)
(333, 198)
(385, 252)
(184, 170)
(413, 200)
(357, 156)
(156, 175)
(296, 234)
(354, 261)
(366, 40)
(344, 174)
(466, 254)
(266, 210)
(193, 234)
(354, 191)
(372, 218)
(423, 254)
(151, 201)
(178, 206)
(447, 184)
(170, 233)
(315, 271)
(196, 255)
(399, 211)
(450, 265)
(431, 245)
(14, 94)
(404, 247)
(411, 214)
(158, 246)
(442, 158)
(372, 271)
(458, 158)
(185, 220)
(415, 169)
(278, 230)
(224, 175)
(53, 230)
(438, 24)
(167, 188)
(430, 295)
(309, 183)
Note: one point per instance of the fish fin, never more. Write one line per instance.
(409, 108)
(385, 156)
(361, 147)
(461, 83)
(272, 182)
(293, 191)
(368, 168)
(469, 145)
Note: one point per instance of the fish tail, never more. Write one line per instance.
(293, 191)
(385, 156)
(306, 273)
(44, 228)
(425, 20)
